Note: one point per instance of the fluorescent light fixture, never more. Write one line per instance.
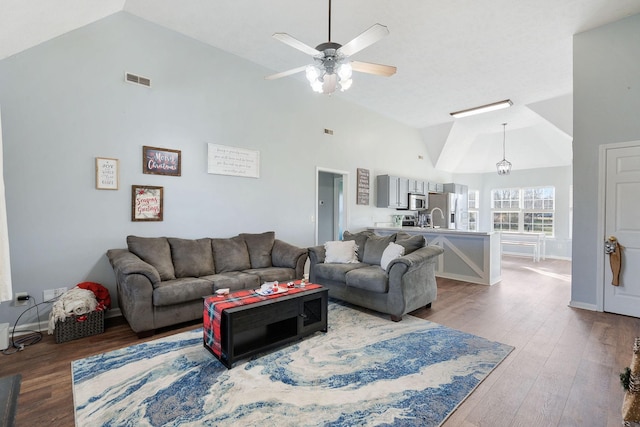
(483, 109)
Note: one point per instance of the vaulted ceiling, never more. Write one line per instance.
(451, 55)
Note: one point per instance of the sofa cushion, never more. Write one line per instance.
(371, 278)
(360, 239)
(391, 252)
(271, 274)
(410, 243)
(155, 251)
(334, 272)
(374, 248)
(234, 280)
(191, 258)
(286, 255)
(260, 247)
(170, 292)
(342, 252)
(230, 254)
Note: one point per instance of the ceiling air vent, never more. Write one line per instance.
(132, 78)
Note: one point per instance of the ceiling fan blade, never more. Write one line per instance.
(371, 68)
(367, 38)
(297, 44)
(286, 73)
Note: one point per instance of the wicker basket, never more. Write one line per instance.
(71, 329)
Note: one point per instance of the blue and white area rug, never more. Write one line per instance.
(365, 371)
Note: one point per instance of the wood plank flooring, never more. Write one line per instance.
(563, 371)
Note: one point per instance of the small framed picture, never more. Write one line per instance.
(146, 203)
(107, 174)
(161, 161)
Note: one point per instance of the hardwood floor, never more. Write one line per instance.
(563, 371)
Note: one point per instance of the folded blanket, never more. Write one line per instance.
(101, 293)
(75, 301)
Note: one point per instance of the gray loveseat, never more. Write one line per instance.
(407, 284)
(161, 280)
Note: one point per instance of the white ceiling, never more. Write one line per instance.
(451, 55)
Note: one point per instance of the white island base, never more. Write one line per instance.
(469, 256)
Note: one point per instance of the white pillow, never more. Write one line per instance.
(391, 252)
(341, 252)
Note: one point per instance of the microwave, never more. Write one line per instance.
(417, 202)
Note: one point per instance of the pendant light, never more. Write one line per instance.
(504, 166)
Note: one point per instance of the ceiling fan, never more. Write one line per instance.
(332, 67)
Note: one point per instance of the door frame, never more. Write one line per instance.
(600, 226)
(345, 195)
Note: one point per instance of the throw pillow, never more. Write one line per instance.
(230, 254)
(341, 252)
(360, 239)
(392, 252)
(192, 258)
(375, 247)
(154, 251)
(411, 243)
(260, 247)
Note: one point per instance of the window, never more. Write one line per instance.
(474, 205)
(524, 210)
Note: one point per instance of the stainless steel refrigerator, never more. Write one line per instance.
(454, 209)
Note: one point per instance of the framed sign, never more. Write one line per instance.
(161, 161)
(146, 203)
(362, 191)
(107, 173)
(224, 160)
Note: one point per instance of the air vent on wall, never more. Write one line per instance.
(132, 78)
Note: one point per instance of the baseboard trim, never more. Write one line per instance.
(583, 305)
(43, 325)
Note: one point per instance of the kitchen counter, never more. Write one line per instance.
(469, 256)
(411, 230)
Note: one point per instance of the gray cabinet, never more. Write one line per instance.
(434, 187)
(392, 192)
(417, 186)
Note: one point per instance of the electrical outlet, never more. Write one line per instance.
(50, 294)
(17, 302)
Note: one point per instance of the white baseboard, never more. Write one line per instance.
(583, 305)
(43, 325)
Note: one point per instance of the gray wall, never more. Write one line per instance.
(64, 103)
(606, 105)
(558, 246)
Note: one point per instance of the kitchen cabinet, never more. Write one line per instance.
(417, 186)
(392, 192)
(434, 187)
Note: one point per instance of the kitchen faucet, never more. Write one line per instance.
(431, 214)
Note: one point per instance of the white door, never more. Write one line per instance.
(622, 220)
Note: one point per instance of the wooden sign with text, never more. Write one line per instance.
(362, 193)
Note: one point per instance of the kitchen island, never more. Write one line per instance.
(469, 256)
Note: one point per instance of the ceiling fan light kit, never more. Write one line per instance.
(504, 166)
(483, 109)
(332, 68)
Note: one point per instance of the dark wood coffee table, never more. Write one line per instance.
(260, 326)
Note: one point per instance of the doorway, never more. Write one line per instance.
(331, 202)
(620, 185)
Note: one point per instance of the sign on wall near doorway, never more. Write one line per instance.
(362, 194)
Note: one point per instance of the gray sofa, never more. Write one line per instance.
(407, 284)
(161, 280)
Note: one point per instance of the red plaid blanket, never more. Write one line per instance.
(214, 305)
